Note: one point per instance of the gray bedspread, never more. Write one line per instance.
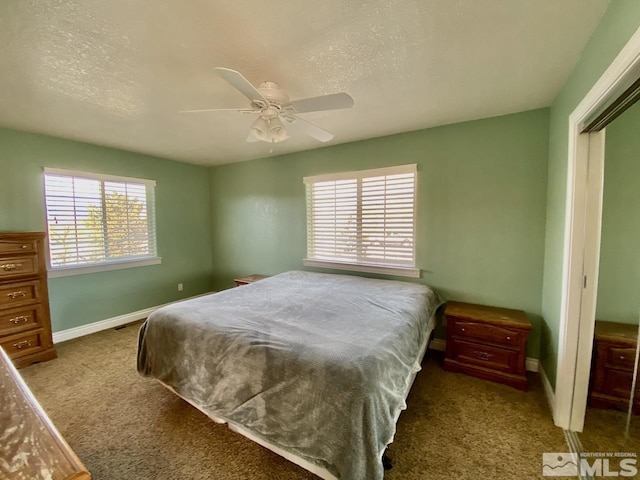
(315, 364)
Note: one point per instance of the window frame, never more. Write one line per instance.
(111, 264)
(387, 269)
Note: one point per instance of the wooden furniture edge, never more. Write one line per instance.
(517, 381)
(461, 310)
(46, 421)
(248, 279)
(20, 235)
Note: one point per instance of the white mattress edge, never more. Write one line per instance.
(301, 462)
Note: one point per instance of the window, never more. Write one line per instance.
(98, 222)
(363, 220)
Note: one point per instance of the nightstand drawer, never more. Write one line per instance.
(484, 355)
(14, 267)
(620, 357)
(492, 334)
(618, 383)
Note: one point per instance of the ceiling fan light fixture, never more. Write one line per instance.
(270, 101)
(277, 131)
(260, 129)
(280, 137)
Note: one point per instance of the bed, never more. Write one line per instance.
(316, 367)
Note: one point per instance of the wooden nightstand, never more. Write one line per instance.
(487, 342)
(254, 277)
(614, 354)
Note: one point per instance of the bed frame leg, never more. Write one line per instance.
(386, 461)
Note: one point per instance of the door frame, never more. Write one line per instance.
(583, 216)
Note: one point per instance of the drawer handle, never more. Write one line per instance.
(22, 344)
(9, 267)
(15, 295)
(621, 357)
(462, 329)
(482, 355)
(24, 247)
(508, 338)
(19, 318)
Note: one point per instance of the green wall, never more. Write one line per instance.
(480, 201)
(619, 279)
(614, 30)
(182, 216)
(491, 208)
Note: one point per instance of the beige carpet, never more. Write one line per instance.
(604, 431)
(125, 427)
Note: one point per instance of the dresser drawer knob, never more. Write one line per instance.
(9, 267)
(22, 344)
(621, 357)
(482, 355)
(19, 318)
(24, 247)
(508, 338)
(15, 295)
(462, 329)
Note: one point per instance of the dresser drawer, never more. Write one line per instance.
(618, 383)
(484, 355)
(13, 267)
(19, 320)
(18, 247)
(18, 294)
(484, 333)
(621, 357)
(18, 346)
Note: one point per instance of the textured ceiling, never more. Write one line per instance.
(117, 72)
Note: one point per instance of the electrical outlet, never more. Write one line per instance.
(180, 287)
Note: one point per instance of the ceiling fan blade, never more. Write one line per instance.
(240, 110)
(242, 84)
(251, 138)
(308, 128)
(335, 101)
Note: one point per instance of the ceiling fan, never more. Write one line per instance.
(275, 109)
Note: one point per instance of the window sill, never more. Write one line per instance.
(103, 267)
(367, 268)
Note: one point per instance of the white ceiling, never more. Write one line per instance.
(117, 72)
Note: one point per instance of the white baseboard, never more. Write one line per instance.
(82, 330)
(531, 364)
(548, 390)
(438, 344)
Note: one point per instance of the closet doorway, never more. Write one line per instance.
(613, 94)
(610, 425)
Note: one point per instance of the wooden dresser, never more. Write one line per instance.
(614, 354)
(31, 447)
(25, 325)
(487, 342)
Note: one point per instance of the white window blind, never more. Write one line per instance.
(97, 219)
(362, 218)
